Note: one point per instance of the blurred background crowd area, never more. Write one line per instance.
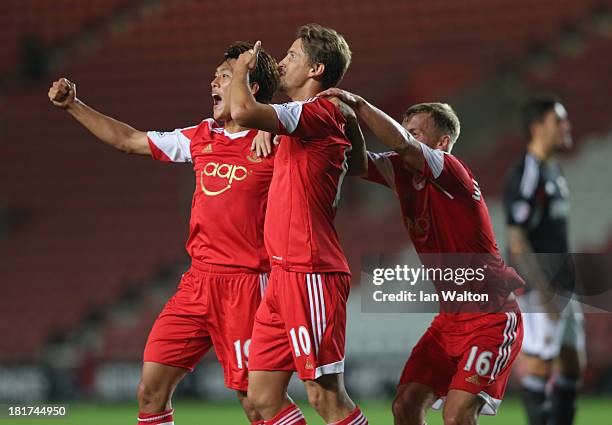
(91, 241)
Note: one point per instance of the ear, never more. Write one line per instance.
(444, 143)
(316, 70)
(534, 129)
(254, 88)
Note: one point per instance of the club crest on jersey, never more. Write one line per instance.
(253, 157)
(208, 148)
(223, 171)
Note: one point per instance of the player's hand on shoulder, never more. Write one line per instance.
(262, 143)
(62, 93)
(351, 99)
(347, 111)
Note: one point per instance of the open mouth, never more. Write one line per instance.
(216, 100)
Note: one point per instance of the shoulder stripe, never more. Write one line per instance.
(530, 178)
(289, 114)
(434, 158)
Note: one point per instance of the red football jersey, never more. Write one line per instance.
(308, 171)
(229, 203)
(445, 213)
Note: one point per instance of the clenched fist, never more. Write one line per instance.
(62, 93)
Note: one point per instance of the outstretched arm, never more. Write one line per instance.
(245, 110)
(112, 132)
(386, 129)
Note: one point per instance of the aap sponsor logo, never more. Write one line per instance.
(231, 173)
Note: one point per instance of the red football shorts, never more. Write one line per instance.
(214, 306)
(473, 355)
(301, 324)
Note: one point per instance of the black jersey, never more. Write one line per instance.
(536, 198)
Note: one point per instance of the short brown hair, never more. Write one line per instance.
(536, 109)
(326, 46)
(265, 73)
(443, 115)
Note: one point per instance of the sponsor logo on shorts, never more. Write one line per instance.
(309, 365)
(473, 380)
(228, 172)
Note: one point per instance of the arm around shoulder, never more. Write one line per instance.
(358, 160)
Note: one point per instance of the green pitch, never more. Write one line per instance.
(591, 411)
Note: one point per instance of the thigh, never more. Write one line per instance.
(179, 337)
(487, 357)
(462, 407)
(235, 299)
(161, 377)
(413, 399)
(429, 365)
(313, 307)
(327, 386)
(269, 389)
(542, 335)
(269, 349)
(571, 362)
(573, 335)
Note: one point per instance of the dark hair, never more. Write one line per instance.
(443, 115)
(265, 73)
(535, 109)
(326, 46)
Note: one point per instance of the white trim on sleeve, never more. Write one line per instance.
(434, 158)
(174, 144)
(289, 114)
(384, 166)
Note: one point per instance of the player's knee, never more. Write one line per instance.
(399, 409)
(316, 396)
(327, 395)
(247, 406)
(261, 400)
(151, 397)
(458, 417)
(256, 399)
(453, 418)
(405, 410)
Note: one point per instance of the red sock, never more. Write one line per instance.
(163, 418)
(292, 415)
(355, 418)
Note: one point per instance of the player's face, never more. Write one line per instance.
(423, 128)
(294, 67)
(220, 90)
(556, 129)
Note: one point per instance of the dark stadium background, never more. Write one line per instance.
(91, 241)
